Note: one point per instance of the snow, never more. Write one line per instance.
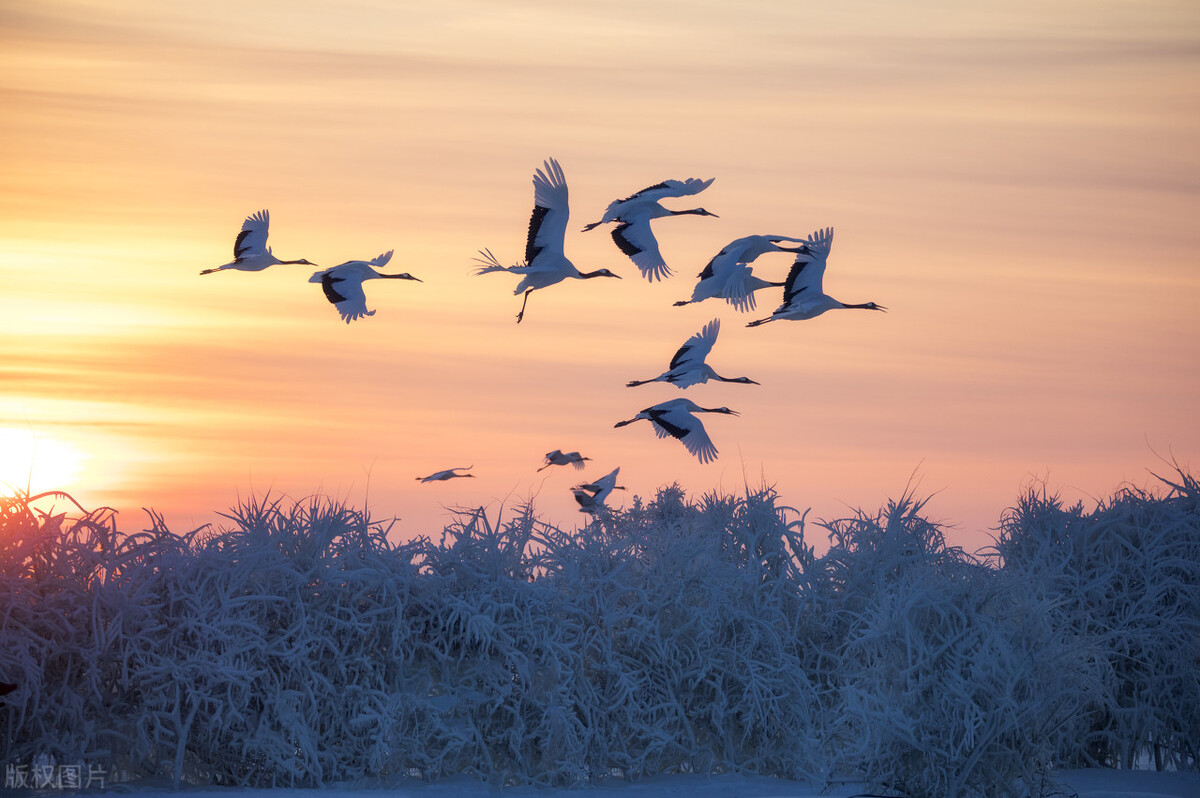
(299, 648)
(1095, 783)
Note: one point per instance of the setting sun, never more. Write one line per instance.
(29, 460)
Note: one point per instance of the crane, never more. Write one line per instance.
(545, 264)
(633, 234)
(250, 250)
(449, 473)
(688, 367)
(729, 276)
(803, 296)
(343, 284)
(676, 418)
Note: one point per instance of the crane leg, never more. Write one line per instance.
(521, 315)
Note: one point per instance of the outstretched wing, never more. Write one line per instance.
(696, 349)
(667, 189)
(741, 251)
(637, 240)
(699, 444)
(253, 237)
(808, 270)
(347, 296)
(382, 260)
(736, 289)
(548, 224)
(668, 423)
(690, 431)
(606, 484)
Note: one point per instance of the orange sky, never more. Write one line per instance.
(1019, 185)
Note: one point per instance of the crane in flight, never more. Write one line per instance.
(545, 264)
(676, 418)
(803, 296)
(633, 234)
(250, 250)
(343, 284)
(559, 457)
(591, 495)
(449, 473)
(729, 276)
(688, 367)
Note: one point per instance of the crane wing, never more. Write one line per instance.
(808, 270)
(699, 444)
(253, 237)
(736, 290)
(347, 296)
(608, 482)
(548, 223)
(604, 486)
(691, 433)
(667, 189)
(669, 421)
(637, 240)
(696, 349)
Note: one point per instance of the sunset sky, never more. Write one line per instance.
(1018, 182)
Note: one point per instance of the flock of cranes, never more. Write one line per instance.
(727, 276)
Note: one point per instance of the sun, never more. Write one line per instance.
(37, 462)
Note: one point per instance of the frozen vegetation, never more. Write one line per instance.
(297, 646)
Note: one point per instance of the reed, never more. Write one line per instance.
(297, 644)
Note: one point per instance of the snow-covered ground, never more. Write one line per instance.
(1069, 784)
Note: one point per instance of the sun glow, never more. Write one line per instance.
(37, 462)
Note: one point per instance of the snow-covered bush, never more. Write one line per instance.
(953, 681)
(298, 645)
(54, 577)
(1124, 580)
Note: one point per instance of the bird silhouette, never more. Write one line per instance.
(688, 367)
(545, 264)
(250, 250)
(449, 473)
(343, 284)
(729, 276)
(633, 234)
(591, 496)
(676, 418)
(803, 296)
(558, 457)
